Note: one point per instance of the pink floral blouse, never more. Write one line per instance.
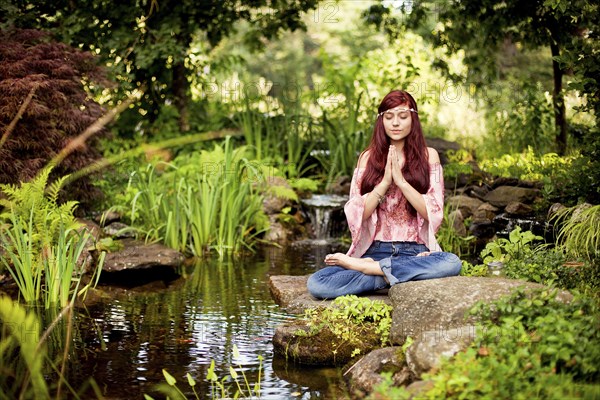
(390, 221)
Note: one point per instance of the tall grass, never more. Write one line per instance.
(201, 202)
(284, 140)
(299, 142)
(263, 134)
(344, 138)
(579, 232)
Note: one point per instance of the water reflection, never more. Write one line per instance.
(126, 341)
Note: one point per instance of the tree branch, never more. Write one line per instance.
(93, 129)
(17, 117)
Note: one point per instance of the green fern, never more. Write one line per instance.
(39, 200)
(42, 241)
(283, 192)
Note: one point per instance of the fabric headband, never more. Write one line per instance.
(399, 109)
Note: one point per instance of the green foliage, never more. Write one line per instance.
(568, 179)
(28, 356)
(219, 387)
(519, 257)
(527, 346)
(200, 201)
(349, 317)
(283, 192)
(43, 242)
(281, 140)
(527, 165)
(261, 133)
(578, 232)
(305, 185)
(342, 124)
(37, 200)
(21, 335)
(553, 267)
(525, 342)
(517, 245)
(469, 269)
(458, 164)
(450, 240)
(160, 45)
(525, 124)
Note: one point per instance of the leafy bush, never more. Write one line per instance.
(469, 269)
(528, 122)
(517, 245)
(522, 257)
(458, 164)
(553, 267)
(567, 179)
(59, 110)
(527, 346)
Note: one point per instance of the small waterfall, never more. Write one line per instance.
(505, 223)
(320, 208)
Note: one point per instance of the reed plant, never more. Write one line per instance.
(20, 257)
(284, 140)
(157, 205)
(344, 139)
(22, 357)
(263, 134)
(201, 202)
(62, 269)
(299, 142)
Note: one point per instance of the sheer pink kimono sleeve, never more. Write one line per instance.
(362, 232)
(434, 202)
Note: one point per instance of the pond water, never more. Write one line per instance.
(125, 340)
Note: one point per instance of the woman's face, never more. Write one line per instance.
(397, 122)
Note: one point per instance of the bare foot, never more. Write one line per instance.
(365, 265)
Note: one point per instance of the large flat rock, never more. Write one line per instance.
(291, 294)
(439, 305)
(139, 256)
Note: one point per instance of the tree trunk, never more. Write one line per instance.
(181, 97)
(558, 101)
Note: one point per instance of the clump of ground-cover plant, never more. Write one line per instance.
(351, 324)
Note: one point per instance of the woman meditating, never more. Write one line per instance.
(395, 208)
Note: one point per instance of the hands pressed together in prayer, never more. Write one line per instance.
(393, 168)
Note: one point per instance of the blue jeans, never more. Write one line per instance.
(397, 260)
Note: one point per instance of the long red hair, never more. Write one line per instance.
(416, 156)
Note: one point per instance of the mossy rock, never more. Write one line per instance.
(297, 343)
